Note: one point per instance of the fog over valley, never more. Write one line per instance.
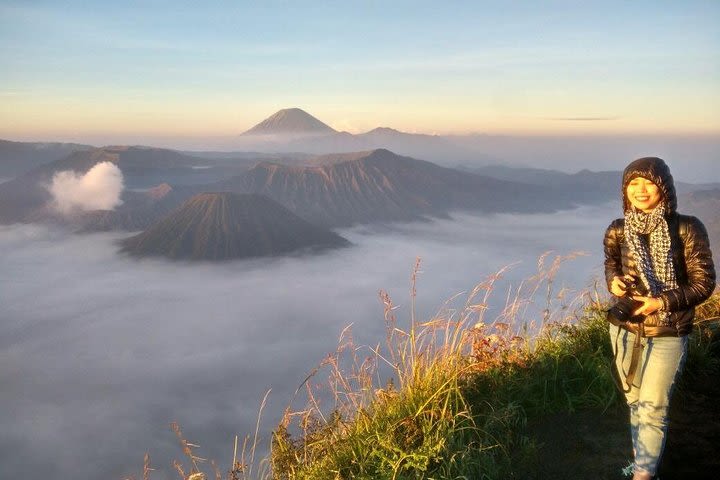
(100, 351)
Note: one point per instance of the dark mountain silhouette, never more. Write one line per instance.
(26, 197)
(218, 226)
(144, 167)
(128, 158)
(17, 158)
(592, 187)
(378, 185)
(141, 165)
(290, 121)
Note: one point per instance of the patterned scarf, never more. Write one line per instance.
(649, 239)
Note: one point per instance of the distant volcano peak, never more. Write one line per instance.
(290, 121)
(384, 130)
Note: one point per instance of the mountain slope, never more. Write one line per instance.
(218, 226)
(378, 185)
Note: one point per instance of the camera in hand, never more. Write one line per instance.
(625, 306)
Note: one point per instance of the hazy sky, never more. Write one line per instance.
(99, 353)
(73, 68)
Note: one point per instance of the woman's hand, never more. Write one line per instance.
(618, 287)
(649, 305)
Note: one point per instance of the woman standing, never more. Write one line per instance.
(658, 265)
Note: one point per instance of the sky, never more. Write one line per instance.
(173, 68)
(100, 352)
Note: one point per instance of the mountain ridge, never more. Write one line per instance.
(333, 190)
(378, 186)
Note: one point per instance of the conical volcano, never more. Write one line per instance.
(219, 226)
(290, 121)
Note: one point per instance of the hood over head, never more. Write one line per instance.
(655, 170)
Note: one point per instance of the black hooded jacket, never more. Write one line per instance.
(690, 247)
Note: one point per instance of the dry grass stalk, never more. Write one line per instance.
(187, 447)
(216, 470)
(146, 467)
(451, 337)
(179, 468)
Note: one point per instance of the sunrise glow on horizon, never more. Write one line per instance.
(74, 70)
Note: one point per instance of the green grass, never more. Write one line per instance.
(456, 418)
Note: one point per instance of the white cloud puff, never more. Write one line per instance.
(99, 189)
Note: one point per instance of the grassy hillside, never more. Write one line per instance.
(470, 398)
(462, 405)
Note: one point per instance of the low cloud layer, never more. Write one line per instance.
(100, 352)
(99, 189)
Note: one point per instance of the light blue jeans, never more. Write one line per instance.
(661, 362)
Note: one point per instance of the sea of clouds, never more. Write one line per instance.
(100, 352)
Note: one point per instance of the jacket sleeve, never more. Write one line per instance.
(613, 259)
(700, 270)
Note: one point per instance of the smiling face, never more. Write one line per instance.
(643, 194)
